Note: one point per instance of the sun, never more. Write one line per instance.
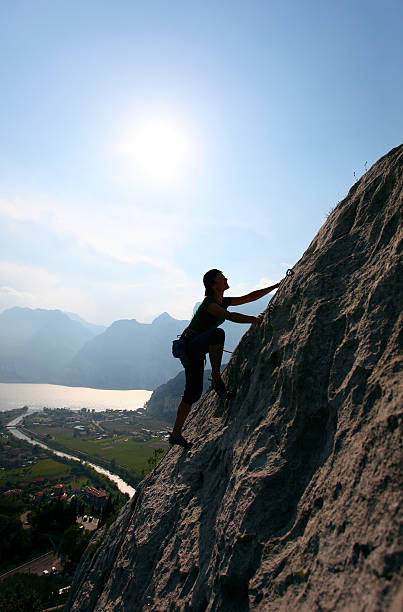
(158, 151)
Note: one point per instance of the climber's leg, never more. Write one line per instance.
(215, 353)
(212, 341)
(193, 389)
(181, 416)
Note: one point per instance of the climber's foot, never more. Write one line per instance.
(180, 440)
(221, 389)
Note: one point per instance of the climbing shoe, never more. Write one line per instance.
(222, 390)
(180, 440)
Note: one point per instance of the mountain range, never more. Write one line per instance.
(36, 345)
(51, 346)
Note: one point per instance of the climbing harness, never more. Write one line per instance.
(179, 346)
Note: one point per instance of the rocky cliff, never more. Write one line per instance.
(289, 498)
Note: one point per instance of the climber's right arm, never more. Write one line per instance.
(238, 317)
(235, 317)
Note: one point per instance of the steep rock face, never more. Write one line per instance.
(289, 498)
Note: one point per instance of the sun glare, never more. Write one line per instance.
(158, 152)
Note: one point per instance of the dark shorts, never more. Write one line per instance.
(197, 349)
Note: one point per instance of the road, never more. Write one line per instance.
(36, 566)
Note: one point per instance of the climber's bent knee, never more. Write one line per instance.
(191, 396)
(217, 336)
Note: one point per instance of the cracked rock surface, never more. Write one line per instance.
(290, 498)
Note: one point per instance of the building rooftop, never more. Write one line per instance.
(95, 492)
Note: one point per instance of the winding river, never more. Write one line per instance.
(120, 483)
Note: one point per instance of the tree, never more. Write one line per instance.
(72, 510)
(15, 542)
(107, 510)
(52, 517)
(74, 543)
(155, 458)
(20, 600)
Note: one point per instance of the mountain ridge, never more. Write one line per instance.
(125, 355)
(37, 343)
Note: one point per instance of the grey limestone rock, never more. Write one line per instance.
(290, 498)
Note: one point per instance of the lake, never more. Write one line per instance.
(17, 395)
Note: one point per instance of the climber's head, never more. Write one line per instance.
(214, 280)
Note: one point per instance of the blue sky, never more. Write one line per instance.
(146, 142)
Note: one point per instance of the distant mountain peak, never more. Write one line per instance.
(165, 316)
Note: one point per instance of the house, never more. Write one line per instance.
(95, 497)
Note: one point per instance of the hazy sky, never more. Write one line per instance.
(143, 143)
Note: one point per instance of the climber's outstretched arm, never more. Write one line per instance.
(253, 296)
(236, 317)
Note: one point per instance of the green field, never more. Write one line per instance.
(48, 468)
(123, 449)
(45, 468)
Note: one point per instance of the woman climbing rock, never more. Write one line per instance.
(203, 336)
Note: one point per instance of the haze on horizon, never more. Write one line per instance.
(144, 144)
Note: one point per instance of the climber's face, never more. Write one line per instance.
(220, 282)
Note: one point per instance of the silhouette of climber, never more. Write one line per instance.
(203, 336)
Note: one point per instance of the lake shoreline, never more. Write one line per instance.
(39, 395)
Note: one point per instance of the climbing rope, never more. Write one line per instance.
(270, 308)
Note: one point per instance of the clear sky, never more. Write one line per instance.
(143, 143)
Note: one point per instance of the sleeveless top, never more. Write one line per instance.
(202, 320)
